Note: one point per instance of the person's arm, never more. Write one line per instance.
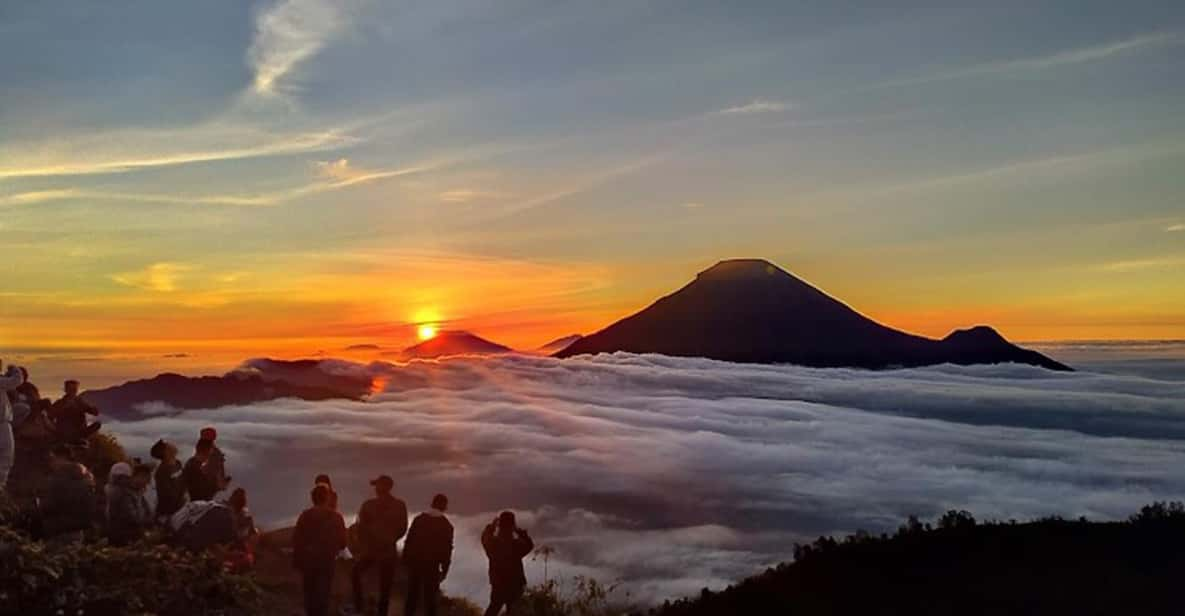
(448, 555)
(340, 532)
(487, 538)
(401, 520)
(299, 540)
(88, 408)
(525, 545)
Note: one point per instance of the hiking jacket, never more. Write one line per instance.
(170, 488)
(69, 414)
(382, 522)
(9, 381)
(320, 534)
(69, 499)
(128, 513)
(200, 485)
(429, 545)
(506, 555)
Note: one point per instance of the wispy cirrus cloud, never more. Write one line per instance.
(1059, 59)
(288, 33)
(1135, 265)
(1174, 228)
(757, 105)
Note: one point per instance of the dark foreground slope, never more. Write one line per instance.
(748, 310)
(1044, 567)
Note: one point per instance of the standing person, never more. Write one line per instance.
(216, 465)
(69, 415)
(428, 553)
(70, 496)
(199, 483)
(320, 534)
(170, 487)
(8, 382)
(506, 545)
(129, 515)
(382, 522)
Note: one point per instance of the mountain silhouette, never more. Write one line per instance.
(258, 381)
(453, 343)
(749, 310)
(559, 344)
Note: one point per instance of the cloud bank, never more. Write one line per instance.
(672, 474)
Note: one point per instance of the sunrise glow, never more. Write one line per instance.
(426, 331)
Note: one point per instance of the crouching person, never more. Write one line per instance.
(70, 496)
(129, 516)
(320, 534)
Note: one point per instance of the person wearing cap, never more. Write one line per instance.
(216, 465)
(324, 479)
(69, 502)
(506, 545)
(128, 514)
(170, 486)
(69, 415)
(427, 553)
(382, 521)
(320, 534)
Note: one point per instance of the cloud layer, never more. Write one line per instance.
(674, 474)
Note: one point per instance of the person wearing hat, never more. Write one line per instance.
(170, 486)
(128, 514)
(324, 479)
(382, 522)
(216, 465)
(427, 553)
(506, 545)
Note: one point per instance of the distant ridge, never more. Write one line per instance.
(559, 344)
(749, 310)
(453, 343)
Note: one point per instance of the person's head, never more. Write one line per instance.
(238, 499)
(383, 484)
(320, 495)
(506, 523)
(323, 478)
(164, 451)
(203, 448)
(208, 433)
(70, 387)
(440, 502)
(24, 374)
(141, 476)
(60, 454)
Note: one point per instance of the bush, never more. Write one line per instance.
(586, 597)
(74, 578)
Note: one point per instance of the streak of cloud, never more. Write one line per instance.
(288, 33)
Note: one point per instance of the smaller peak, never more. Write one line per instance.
(740, 269)
(979, 333)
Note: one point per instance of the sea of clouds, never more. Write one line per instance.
(672, 474)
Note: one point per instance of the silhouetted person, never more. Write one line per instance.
(32, 426)
(320, 534)
(242, 552)
(129, 515)
(427, 553)
(9, 381)
(69, 415)
(216, 465)
(170, 486)
(199, 483)
(25, 399)
(324, 479)
(506, 545)
(69, 503)
(382, 522)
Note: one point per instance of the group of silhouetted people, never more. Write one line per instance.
(32, 425)
(321, 536)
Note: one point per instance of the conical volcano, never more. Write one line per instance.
(749, 310)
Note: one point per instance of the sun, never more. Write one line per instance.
(426, 331)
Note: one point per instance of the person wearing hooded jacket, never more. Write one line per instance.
(129, 515)
(170, 486)
(506, 545)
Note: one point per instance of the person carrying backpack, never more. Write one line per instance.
(382, 522)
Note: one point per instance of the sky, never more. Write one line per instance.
(671, 474)
(296, 176)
